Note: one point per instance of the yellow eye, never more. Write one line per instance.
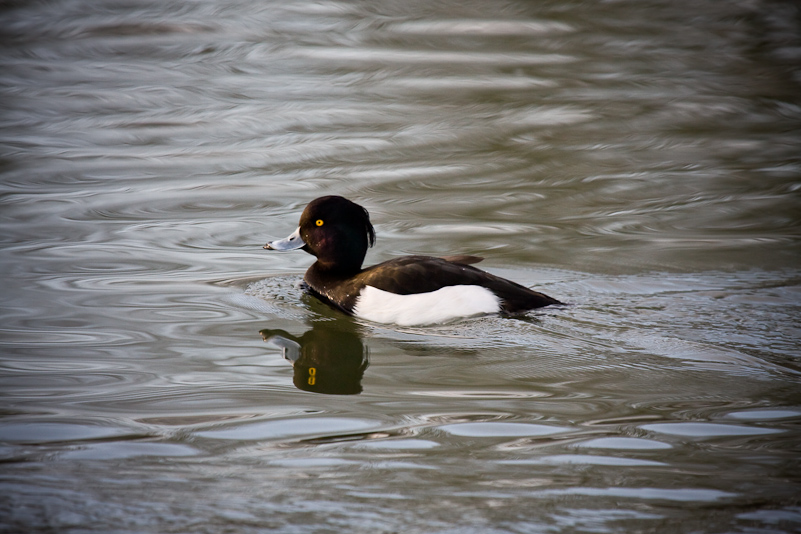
(319, 222)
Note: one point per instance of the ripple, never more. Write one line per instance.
(584, 459)
(676, 495)
(498, 429)
(291, 428)
(764, 415)
(278, 294)
(478, 394)
(314, 463)
(707, 430)
(60, 366)
(502, 28)
(49, 336)
(624, 444)
(47, 432)
(408, 444)
(134, 29)
(126, 449)
(398, 56)
(457, 83)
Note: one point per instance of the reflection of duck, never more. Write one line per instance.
(329, 358)
(410, 290)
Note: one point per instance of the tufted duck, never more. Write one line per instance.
(410, 290)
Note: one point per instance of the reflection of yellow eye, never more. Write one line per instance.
(319, 222)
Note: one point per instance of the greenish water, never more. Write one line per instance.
(637, 160)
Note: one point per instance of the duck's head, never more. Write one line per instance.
(335, 230)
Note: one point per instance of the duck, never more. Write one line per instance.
(406, 291)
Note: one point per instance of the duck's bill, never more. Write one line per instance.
(292, 242)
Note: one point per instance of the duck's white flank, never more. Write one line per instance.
(439, 306)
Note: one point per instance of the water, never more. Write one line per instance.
(638, 160)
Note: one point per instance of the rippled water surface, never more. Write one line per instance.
(639, 160)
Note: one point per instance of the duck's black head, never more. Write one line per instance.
(335, 230)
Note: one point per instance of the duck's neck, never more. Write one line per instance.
(334, 270)
(345, 261)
